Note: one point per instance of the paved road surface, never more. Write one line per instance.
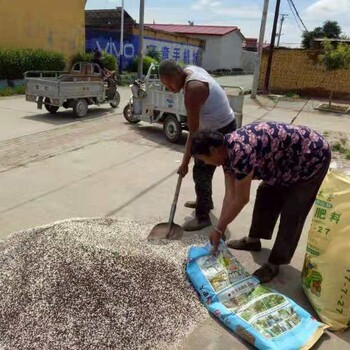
(57, 167)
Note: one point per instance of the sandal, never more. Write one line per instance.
(266, 273)
(242, 244)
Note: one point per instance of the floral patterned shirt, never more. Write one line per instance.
(278, 153)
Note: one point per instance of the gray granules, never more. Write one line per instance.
(94, 284)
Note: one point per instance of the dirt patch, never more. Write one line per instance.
(340, 144)
(333, 108)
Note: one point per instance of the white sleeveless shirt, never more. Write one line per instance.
(216, 112)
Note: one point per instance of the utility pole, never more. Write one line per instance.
(141, 28)
(272, 46)
(283, 16)
(260, 50)
(121, 40)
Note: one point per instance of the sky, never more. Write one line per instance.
(246, 14)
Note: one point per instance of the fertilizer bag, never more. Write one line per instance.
(261, 316)
(326, 270)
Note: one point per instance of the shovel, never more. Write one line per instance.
(169, 230)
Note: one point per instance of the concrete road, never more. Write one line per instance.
(20, 118)
(244, 81)
(57, 167)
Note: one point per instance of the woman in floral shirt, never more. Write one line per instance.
(290, 160)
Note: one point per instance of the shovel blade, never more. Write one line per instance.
(165, 230)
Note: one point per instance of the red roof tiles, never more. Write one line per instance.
(193, 29)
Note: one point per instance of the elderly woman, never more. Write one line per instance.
(290, 160)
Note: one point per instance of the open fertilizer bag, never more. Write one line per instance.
(261, 316)
(326, 271)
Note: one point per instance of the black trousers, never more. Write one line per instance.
(112, 88)
(203, 176)
(293, 204)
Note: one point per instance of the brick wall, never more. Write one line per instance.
(50, 25)
(300, 71)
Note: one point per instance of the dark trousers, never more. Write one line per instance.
(293, 204)
(112, 88)
(203, 176)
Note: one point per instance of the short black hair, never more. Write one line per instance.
(97, 53)
(168, 68)
(204, 140)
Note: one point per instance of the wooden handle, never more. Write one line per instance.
(176, 197)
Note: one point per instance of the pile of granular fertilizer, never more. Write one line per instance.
(94, 284)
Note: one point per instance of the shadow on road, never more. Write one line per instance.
(78, 180)
(140, 194)
(155, 134)
(66, 116)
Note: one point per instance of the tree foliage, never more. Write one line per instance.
(330, 30)
(335, 57)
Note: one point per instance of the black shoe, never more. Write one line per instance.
(266, 273)
(242, 244)
(193, 205)
(196, 224)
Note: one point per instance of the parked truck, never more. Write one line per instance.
(85, 85)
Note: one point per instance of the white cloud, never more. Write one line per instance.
(205, 4)
(327, 7)
(176, 15)
(217, 8)
(240, 13)
(323, 10)
(215, 3)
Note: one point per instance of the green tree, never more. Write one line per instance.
(155, 54)
(330, 29)
(308, 36)
(335, 57)
(109, 60)
(147, 61)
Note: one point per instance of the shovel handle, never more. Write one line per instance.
(176, 196)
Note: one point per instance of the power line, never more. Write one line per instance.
(283, 17)
(272, 46)
(296, 11)
(260, 50)
(141, 37)
(294, 15)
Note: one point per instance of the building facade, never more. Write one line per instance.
(103, 29)
(50, 25)
(223, 44)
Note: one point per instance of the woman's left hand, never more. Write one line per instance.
(214, 239)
